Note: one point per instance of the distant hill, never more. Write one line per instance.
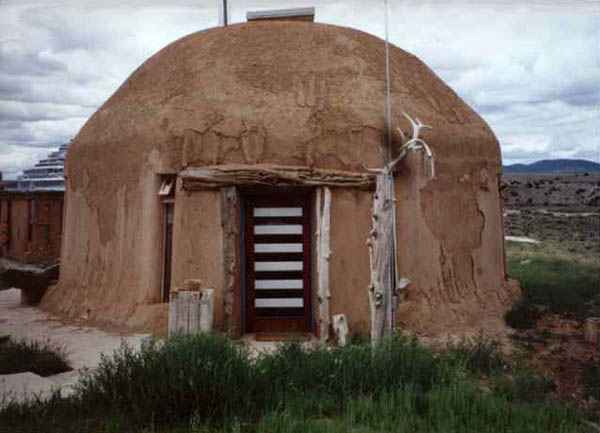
(554, 166)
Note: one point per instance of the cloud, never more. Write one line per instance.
(59, 63)
(22, 111)
(18, 158)
(531, 69)
(532, 72)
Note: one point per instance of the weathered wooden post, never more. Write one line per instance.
(381, 242)
(381, 251)
(230, 210)
(323, 217)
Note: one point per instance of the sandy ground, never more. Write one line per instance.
(83, 345)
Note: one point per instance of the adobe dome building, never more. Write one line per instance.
(240, 156)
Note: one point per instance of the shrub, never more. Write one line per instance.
(208, 383)
(40, 357)
(202, 374)
(351, 370)
(522, 315)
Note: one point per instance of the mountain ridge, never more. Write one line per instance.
(553, 166)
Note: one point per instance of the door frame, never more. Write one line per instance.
(271, 196)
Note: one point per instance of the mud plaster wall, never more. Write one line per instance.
(111, 278)
(349, 263)
(269, 92)
(198, 244)
(450, 246)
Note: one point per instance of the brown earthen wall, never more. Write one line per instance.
(286, 93)
(124, 263)
(450, 246)
(349, 263)
(198, 244)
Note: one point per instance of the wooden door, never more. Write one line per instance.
(167, 250)
(277, 263)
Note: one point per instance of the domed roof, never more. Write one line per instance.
(293, 93)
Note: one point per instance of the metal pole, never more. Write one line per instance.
(391, 295)
(388, 106)
(225, 18)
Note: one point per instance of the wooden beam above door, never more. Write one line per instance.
(218, 176)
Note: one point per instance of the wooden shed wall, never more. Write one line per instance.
(32, 226)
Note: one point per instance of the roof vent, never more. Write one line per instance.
(298, 14)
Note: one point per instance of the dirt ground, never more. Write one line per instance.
(84, 346)
(562, 212)
(559, 209)
(556, 347)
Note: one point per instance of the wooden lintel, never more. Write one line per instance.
(219, 176)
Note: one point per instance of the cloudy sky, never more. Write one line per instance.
(530, 67)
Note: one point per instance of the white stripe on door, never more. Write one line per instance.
(277, 211)
(278, 229)
(279, 303)
(277, 266)
(278, 248)
(278, 284)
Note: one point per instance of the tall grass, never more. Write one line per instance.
(456, 408)
(208, 383)
(555, 285)
(479, 355)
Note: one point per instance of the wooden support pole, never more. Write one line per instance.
(382, 237)
(230, 222)
(323, 210)
(381, 257)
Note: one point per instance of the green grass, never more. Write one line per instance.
(553, 284)
(523, 385)
(208, 383)
(457, 408)
(479, 355)
(40, 357)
